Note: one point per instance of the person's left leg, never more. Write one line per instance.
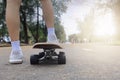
(13, 24)
(48, 15)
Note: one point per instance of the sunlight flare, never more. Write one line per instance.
(104, 25)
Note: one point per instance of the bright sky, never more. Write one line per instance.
(76, 11)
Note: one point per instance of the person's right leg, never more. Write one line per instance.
(13, 23)
(48, 15)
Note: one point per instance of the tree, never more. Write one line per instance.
(86, 26)
(74, 38)
(60, 32)
(3, 30)
(33, 27)
(27, 10)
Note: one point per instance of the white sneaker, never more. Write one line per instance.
(16, 57)
(52, 39)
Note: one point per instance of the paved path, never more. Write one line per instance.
(84, 62)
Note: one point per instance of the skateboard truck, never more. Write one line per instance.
(48, 55)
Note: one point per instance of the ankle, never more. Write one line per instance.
(51, 31)
(15, 45)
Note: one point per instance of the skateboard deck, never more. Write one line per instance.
(47, 46)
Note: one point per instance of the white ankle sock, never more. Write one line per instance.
(51, 38)
(15, 45)
(51, 30)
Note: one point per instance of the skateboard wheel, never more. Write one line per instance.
(34, 59)
(61, 58)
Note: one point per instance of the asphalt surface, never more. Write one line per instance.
(84, 62)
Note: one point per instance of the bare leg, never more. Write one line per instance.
(48, 12)
(48, 15)
(12, 18)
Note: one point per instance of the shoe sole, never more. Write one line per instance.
(16, 62)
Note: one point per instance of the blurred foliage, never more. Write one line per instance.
(33, 27)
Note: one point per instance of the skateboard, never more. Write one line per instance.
(49, 54)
